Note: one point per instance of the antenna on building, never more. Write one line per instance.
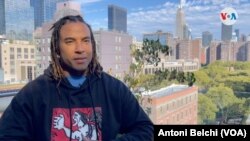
(182, 3)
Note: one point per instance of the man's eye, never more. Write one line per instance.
(68, 42)
(86, 41)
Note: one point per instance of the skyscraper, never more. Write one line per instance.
(2, 18)
(44, 10)
(181, 26)
(117, 18)
(226, 32)
(207, 37)
(16, 19)
(38, 6)
(237, 32)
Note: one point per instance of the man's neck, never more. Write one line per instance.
(66, 73)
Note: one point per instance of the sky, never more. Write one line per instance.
(147, 16)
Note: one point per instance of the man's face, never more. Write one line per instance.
(75, 46)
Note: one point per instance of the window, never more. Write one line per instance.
(26, 56)
(19, 50)
(25, 50)
(32, 50)
(12, 71)
(12, 57)
(117, 66)
(19, 56)
(12, 50)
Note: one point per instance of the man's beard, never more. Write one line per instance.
(71, 70)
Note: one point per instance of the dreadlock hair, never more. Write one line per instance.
(93, 67)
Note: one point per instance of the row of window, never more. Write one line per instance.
(118, 58)
(43, 41)
(118, 39)
(20, 56)
(185, 68)
(118, 48)
(175, 104)
(181, 117)
(43, 49)
(19, 50)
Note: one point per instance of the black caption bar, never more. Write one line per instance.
(217, 132)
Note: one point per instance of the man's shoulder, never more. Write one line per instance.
(39, 82)
(112, 81)
(109, 77)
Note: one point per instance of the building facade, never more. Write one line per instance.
(207, 37)
(226, 32)
(113, 50)
(175, 104)
(117, 18)
(44, 10)
(18, 61)
(179, 65)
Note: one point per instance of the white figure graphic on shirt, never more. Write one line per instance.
(85, 132)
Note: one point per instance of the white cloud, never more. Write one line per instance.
(201, 15)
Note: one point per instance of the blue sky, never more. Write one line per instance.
(145, 16)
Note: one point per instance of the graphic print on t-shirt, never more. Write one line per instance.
(83, 124)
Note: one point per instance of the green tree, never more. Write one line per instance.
(206, 109)
(190, 78)
(180, 77)
(173, 75)
(151, 50)
(236, 109)
(246, 106)
(223, 97)
(202, 79)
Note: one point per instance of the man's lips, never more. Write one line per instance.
(80, 60)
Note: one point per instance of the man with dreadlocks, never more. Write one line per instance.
(45, 109)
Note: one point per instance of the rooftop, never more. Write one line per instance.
(165, 91)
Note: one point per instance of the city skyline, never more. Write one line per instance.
(150, 16)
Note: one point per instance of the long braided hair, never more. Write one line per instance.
(93, 67)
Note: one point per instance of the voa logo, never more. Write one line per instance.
(228, 16)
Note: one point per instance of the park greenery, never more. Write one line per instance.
(224, 92)
(224, 87)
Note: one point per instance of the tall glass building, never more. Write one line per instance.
(38, 6)
(17, 18)
(207, 37)
(44, 10)
(117, 18)
(2, 17)
(226, 32)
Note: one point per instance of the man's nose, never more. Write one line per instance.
(79, 47)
